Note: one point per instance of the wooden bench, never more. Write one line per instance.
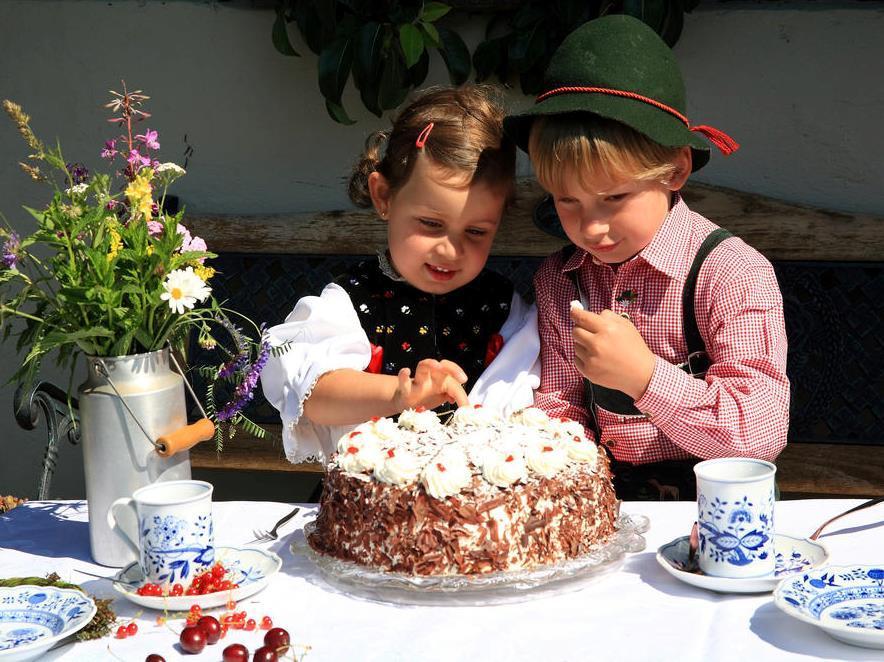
(836, 445)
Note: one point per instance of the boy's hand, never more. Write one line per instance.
(434, 383)
(610, 352)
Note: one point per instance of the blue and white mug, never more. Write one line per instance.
(175, 532)
(735, 517)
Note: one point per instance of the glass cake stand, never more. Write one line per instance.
(476, 590)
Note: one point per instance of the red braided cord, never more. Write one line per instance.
(617, 93)
(719, 138)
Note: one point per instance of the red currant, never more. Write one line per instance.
(265, 654)
(211, 627)
(122, 633)
(177, 589)
(278, 639)
(266, 623)
(132, 629)
(192, 639)
(250, 624)
(235, 653)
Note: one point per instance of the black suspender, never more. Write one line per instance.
(698, 360)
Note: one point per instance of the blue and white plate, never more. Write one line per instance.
(793, 555)
(34, 618)
(846, 602)
(249, 567)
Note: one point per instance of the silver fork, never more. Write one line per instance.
(267, 536)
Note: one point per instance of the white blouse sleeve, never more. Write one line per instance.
(508, 383)
(324, 334)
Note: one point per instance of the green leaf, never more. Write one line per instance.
(418, 73)
(430, 34)
(433, 11)
(412, 43)
(393, 88)
(337, 113)
(651, 12)
(334, 68)
(528, 47)
(326, 11)
(280, 35)
(367, 44)
(456, 55)
(490, 58)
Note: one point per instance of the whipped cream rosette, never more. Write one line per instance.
(419, 420)
(359, 452)
(503, 468)
(475, 416)
(532, 417)
(546, 458)
(398, 466)
(447, 473)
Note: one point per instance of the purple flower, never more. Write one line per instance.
(246, 389)
(136, 160)
(111, 205)
(78, 172)
(191, 243)
(10, 250)
(110, 149)
(149, 138)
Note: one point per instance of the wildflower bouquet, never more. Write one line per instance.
(109, 272)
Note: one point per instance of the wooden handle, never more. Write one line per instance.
(184, 438)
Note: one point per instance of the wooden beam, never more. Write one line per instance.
(780, 230)
(821, 470)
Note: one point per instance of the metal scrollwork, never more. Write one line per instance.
(62, 422)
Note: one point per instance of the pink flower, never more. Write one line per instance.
(149, 138)
(110, 149)
(191, 243)
(154, 228)
(136, 160)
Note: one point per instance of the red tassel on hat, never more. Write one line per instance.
(719, 138)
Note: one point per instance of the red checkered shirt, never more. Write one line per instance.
(741, 408)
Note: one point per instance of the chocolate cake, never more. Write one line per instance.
(478, 495)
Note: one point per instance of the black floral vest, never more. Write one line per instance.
(405, 325)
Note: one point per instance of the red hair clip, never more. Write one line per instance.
(423, 135)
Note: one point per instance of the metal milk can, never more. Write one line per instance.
(126, 403)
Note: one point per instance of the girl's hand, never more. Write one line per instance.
(610, 352)
(434, 383)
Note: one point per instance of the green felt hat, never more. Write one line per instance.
(619, 68)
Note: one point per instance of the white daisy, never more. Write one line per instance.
(183, 289)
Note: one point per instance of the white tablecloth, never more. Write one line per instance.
(638, 612)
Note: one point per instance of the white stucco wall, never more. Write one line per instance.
(798, 84)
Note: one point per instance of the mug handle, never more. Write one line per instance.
(115, 526)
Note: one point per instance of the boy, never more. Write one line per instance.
(680, 335)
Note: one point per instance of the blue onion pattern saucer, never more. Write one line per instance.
(249, 567)
(34, 618)
(793, 555)
(846, 602)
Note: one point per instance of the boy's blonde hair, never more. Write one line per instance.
(595, 149)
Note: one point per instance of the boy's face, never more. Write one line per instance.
(439, 231)
(615, 220)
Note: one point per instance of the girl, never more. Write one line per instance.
(422, 324)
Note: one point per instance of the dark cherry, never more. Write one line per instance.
(235, 653)
(277, 639)
(192, 639)
(265, 654)
(212, 628)
(153, 657)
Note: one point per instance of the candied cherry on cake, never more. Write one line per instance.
(278, 639)
(235, 653)
(192, 639)
(212, 628)
(265, 654)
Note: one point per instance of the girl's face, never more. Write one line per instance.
(615, 220)
(439, 231)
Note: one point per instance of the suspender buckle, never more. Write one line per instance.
(696, 365)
